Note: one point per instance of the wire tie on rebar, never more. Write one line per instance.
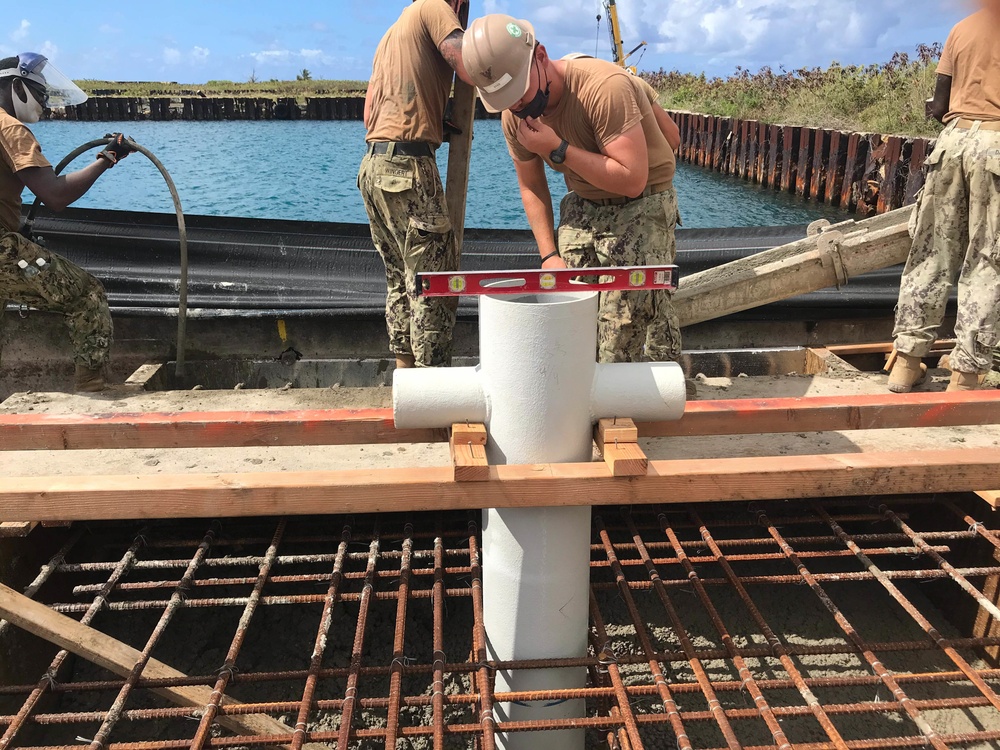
(487, 716)
(228, 670)
(975, 527)
(49, 678)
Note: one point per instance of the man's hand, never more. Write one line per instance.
(554, 262)
(537, 137)
(117, 149)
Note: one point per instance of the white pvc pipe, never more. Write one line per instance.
(539, 390)
(437, 397)
(537, 360)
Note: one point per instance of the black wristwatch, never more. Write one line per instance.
(559, 155)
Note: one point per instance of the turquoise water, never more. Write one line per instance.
(307, 170)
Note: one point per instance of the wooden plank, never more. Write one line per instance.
(468, 453)
(884, 347)
(9, 529)
(625, 459)
(464, 433)
(819, 414)
(990, 496)
(616, 428)
(469, 463)
(463, 112)
(332, 427)
(856, 152)
(120, 658)
(207, 429)
(539, 485)
(890, 194)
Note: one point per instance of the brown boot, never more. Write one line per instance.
(404, 361)
(906, 373)
(89, 380)
(963, 381)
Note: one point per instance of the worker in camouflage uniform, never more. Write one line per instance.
(404, 115)
(29, 274)
(605, 132)
(956, 223)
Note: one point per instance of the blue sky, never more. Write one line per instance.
(193, 42)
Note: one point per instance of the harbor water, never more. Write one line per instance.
(304, 170)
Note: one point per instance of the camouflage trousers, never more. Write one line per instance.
(956, 237)
(640, 232)
(412, 232)
(61, 287)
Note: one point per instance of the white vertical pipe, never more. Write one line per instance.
(537, 366)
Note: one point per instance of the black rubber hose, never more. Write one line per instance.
(181, 230)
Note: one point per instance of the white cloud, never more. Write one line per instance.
(718, 35)
(107, 28)
(291, 57)
(21, 32)
(194, 56)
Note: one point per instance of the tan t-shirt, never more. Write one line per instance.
(19, 150)
(971, 57)
(410, 80)
(599, 103)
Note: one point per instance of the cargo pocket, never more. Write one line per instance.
(993, 167)
(931, 163)
(429, 244)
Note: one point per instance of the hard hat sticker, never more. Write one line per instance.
(514, 30)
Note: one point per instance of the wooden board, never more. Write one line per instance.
(625, 459)
(350, 427)
(990, 496)
(468, 453)
(826, 413)
(120, 658)
(615, 429)
(885, 347)
(10, 529)
(434, 488)
(206, 429)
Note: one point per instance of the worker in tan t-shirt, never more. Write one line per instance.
(601, 128)
(956, 222)
(29, 274)
(404, 114)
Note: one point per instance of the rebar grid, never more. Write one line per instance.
(805, 625)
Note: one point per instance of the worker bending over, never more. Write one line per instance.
(604, 131)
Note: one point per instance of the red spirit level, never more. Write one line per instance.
(629, 278)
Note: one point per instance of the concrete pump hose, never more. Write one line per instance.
(181, 231)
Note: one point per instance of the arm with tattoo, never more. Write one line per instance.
(451, 50)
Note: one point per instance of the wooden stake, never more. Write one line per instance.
(990, 496)
(120, 658)
(625, 459)
(16, 528)
(468, 453)
(610, 430)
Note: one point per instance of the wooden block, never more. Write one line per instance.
(610, 430)
(990, 496)
(16, 528)
(462, 433)
(625, 459)
(56, 524)
(468, 452)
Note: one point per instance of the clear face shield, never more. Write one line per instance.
(42, 77)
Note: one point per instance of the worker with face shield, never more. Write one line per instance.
(30, 275)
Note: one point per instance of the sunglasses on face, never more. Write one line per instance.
(39, 92)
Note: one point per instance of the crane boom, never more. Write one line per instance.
(618, 54)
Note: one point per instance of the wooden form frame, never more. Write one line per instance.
(25, 432)
(436, 488)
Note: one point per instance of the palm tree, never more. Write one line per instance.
(305, 75)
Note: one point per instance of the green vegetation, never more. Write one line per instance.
(886, 98)
(302, 87)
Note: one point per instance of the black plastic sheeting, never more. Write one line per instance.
(263, 267)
